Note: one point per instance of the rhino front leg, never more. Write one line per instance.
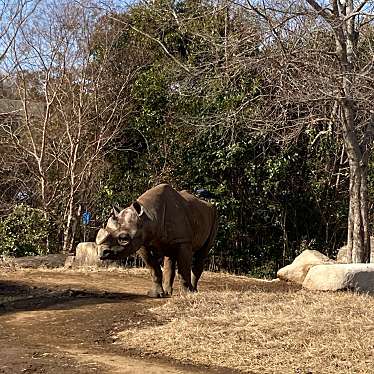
(154, 266)
(169, 275)
(184, 261)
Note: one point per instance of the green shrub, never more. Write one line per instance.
(24, 232)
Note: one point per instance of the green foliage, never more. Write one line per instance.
(24, 232)
(179, 81)
(184, 130)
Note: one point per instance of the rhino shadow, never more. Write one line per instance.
(18, 296)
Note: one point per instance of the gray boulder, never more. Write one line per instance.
(88, 254)
(357, 277)
(49, 261)
(297, 271)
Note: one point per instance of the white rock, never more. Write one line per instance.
(86, 254)
(341, 257)
(357, 277)
(297, 271)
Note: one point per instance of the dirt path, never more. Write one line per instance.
(64, 322)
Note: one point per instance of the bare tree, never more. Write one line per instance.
(13, 15)
(317, 65)
(347, 19)
(13, 18)
(67, 123)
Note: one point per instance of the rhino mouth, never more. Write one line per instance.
(116, 253)
(107, 255)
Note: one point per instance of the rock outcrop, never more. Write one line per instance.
(297, 271)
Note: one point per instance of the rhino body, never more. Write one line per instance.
(163, 223)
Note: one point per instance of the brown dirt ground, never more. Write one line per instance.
(54, 321)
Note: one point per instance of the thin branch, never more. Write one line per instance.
(325, 12)
(150, 37)
(360, 6)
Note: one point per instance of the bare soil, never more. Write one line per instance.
(56, 321)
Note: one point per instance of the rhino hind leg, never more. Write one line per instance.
(197, 270)
(154, 266)
(202, 254)
(184, 261)
(198, 266)
(169, 275)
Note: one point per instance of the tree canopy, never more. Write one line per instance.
(244, 100)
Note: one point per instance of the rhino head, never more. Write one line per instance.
(123, 234)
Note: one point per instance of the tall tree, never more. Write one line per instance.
(13, 15)
(210, 93)
(66, 121)
(322, 75)
(347, 19)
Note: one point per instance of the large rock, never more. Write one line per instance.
(297, 271)
(88, 254)
(357, 277)
(341, 257)
(48, 261)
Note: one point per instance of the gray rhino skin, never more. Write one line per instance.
(163, 223)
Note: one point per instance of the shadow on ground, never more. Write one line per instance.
(18, 296)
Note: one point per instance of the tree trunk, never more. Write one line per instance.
(365, 212)
(346, 37)
(358, 239)
(68, 228)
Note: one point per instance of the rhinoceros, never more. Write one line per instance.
(163, 223)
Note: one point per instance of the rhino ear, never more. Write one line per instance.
(115, 211)
(138, 208)
(101, 236)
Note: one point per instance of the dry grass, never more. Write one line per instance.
(264, 330)
(7, 263)
(142, 272)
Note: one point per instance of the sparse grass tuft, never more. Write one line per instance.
(6, 263)
(264, 329)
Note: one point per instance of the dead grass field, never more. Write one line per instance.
(233, 323)
(260, 330)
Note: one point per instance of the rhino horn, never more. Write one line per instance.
(101, 236)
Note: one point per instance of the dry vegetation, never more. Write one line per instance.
(264, 329)
(255, 326)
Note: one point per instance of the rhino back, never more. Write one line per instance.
(178, 217)
(203, 220)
